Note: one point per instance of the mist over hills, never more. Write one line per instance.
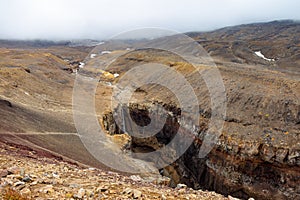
(278, 40)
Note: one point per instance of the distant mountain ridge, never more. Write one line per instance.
(279, 40)
(47, 43)
(276, 40)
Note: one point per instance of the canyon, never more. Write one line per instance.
(256, 155)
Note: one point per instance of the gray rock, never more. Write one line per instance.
(293, 156)
(267, 153)
(281, 155)
(27, 179)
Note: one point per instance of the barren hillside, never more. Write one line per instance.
(257, 154)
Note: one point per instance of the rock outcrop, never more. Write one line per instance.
(5, 103)
(237, 166)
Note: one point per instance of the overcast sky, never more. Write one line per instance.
(100, 19)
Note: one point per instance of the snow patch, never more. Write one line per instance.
(116, 75)
(93, 55)
(105, 52)
(259, 54)
(81, 65)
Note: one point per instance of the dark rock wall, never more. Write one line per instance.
(237, 167)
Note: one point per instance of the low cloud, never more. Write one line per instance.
(75, 19)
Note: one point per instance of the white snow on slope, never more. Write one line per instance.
(105, 52)
(81, 65)
(93, 55)
(259, 54)
(116, 75)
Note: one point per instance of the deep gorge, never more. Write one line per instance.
(236, 166)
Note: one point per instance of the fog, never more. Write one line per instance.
(101, 19)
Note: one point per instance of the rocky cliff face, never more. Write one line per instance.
(240, 164)
(257, 154)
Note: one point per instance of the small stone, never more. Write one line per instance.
(15, 177)
(74, 185)
(89, 193)
(18, 183)
(69, 195)
(80, 194)
(55, 175)
(65, 169)
(163, 181)
(182, 191)
(127, 191)
(293, 156)
(33, 183)
(3, 173)
(6, 182)
(251, 198)
(267, 153)
(22, 172)
(14, 170)
(135, 178)
(46, 189)
(33, 176)
(25, 192)
(163, 197)
(102, 188)
(137, 194)
(281, 155)
(180, 185)
(27, 179)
